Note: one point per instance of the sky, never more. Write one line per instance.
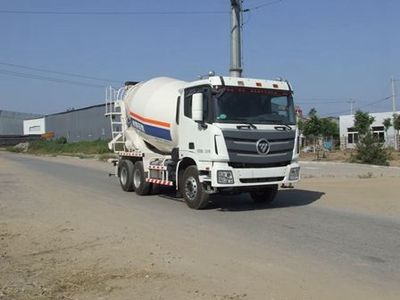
(332, 52)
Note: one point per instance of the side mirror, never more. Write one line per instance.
(197, 107)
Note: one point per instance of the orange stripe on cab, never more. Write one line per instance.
(151, 121)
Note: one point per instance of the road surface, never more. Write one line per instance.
(68, 231)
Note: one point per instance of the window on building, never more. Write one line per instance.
(379, 133)
(352, 136)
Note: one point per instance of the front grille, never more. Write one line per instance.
(242, 150)
(238, 165)
(256, 180)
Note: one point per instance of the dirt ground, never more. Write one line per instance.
(54, 245)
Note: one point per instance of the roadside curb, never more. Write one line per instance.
(346, 163)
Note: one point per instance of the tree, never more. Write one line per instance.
(369, 149)
(300, 125)
(363, 122)
(396, 122)
(387, 123)
(315, 128)
(312, 112)
(396, 126)
(329, 128)
(312, 127)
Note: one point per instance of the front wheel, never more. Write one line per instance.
(192, 189)
(265, 195)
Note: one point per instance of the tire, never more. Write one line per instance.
(125, 174)
(265, 195)
(192, 190)
(139, 179)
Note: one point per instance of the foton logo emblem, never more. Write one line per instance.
(262, 146)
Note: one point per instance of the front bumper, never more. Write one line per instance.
(285, 176)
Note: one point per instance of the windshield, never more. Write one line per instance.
(254, 105)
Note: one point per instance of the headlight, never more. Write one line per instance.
(294, 173)
(225, 177)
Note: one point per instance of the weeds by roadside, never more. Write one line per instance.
(84, 149)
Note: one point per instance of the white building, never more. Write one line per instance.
(349, 136)
(34, 126)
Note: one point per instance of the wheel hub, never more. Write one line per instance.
(124, 176)
(191, 188)
(137, 178)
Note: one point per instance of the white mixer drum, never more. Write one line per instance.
(151, 107)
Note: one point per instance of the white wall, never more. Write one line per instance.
(347, 121)
(34, 126)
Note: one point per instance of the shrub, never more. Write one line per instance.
(369, 149)
(61, 140)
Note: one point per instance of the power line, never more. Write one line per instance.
(321, 98)
(262, 5)
(321, 102)
(45, 78)
(374, 102)
(60, 73)
(110, 13)
(362, 106)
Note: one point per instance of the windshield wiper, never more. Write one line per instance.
(281, 124)
(248, 125)
(284, 127)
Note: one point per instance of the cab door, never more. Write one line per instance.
(195, 138)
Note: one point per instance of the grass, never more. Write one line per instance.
(61, 147)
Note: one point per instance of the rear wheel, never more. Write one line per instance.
(126, 175)
(192, 189)
(265, 195)
(139, 179)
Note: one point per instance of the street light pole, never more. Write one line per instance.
(393, 94)
(351, 101)
(236, 56)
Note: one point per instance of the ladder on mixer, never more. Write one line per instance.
(115, 110)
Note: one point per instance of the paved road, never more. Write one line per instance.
(358, 253)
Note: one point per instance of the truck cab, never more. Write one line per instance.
(240, 133)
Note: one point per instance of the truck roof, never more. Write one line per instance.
(244, 82)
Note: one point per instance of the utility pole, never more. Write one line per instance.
(351, 101)
(236, 55)
(392, 80)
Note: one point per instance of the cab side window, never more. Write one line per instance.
(187, 108)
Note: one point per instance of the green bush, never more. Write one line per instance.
(370, 151)
(59, 147)
(61, 140)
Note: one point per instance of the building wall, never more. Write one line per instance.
(84, 124)
(34, 126)
(347, 122)
(11, 122)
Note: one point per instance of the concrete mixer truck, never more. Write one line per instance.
(213, 135)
